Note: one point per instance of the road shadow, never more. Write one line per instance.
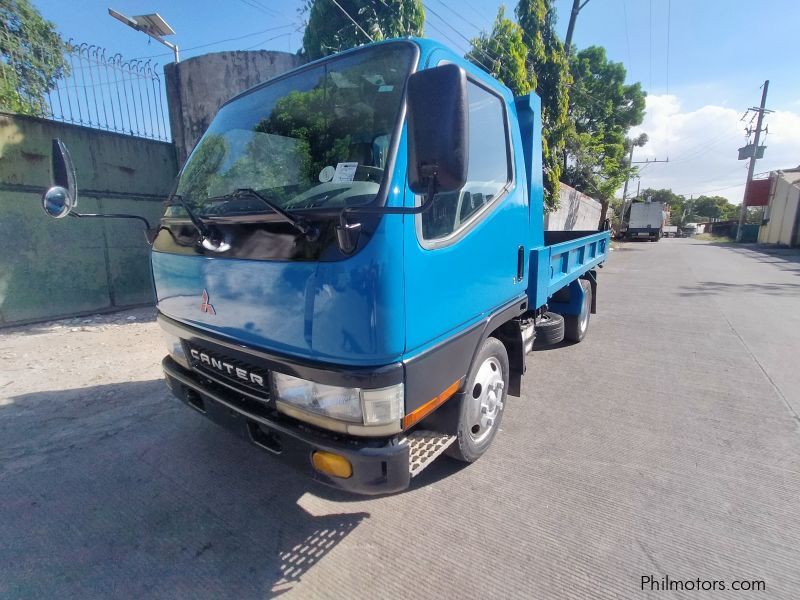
(786, 259)
(120, 490)
(710, 288)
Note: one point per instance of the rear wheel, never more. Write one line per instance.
(576, 326)
(483, 402)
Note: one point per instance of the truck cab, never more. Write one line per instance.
(352, 266)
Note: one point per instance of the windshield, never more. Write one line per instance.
(315, 139)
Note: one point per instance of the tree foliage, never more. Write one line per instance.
(602, 108)
(31, 58)
(689, 210)
(548, 72)
(329, 30)
(504, 52)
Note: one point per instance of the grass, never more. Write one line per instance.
(719, 239)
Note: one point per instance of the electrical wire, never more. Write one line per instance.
(650, 84)
(260, 7)
(704, 147)
(669, 19)
(705, 193)
(472, 7)
(627, 35)
(461, 35)
(451, 40)
(464, 19)
(261, 43)
(347, 14)
(233, 39)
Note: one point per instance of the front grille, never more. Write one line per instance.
(232, 372)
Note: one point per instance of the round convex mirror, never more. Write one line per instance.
(57, 202)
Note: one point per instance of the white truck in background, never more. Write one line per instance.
(646, 221)
(670, 230)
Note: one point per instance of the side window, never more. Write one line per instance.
(489, 169)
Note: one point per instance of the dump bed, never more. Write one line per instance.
(565, 256)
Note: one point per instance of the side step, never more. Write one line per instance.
(424, 446)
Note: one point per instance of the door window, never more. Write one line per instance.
(489, 168)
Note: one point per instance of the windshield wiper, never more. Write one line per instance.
(300, 224)
(210, 238)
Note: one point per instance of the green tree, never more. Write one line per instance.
(504, 52)
(31, 58)
(602, 108)
(715, 207)
(548, 71)
(329, 30)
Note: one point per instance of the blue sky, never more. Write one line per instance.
(720, 51)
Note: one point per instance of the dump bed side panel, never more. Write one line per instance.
(569, 255)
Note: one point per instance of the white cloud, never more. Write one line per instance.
(702, 147)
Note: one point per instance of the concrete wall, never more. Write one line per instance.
(576, 211)
(198, 86)
(52, 268)
(783, 211)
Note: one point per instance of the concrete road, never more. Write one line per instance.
(666, 444)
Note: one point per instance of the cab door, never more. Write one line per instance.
(466, 256)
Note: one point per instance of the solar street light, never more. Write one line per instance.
(153, 25)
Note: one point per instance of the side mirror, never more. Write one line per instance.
(62, 197)
(438, 134)
(438, 145)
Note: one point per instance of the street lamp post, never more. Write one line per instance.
(152, 25)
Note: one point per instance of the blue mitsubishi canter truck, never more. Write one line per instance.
(352, 266)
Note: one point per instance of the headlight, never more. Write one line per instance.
(335, 402)
(354, 405)
(175, 349)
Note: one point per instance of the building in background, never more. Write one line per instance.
(780, 195)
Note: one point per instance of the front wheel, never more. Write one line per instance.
(483, 402)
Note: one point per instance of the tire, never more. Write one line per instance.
(576, 326)
(483, 402)
(549, 329)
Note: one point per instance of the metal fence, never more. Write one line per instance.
(99, 89)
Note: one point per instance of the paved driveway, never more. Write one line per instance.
(666, 444)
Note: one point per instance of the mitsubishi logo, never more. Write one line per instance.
(206, 306)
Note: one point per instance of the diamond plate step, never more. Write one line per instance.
(424, 446)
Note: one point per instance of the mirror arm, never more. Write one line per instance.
(111, 216)
(433, 188)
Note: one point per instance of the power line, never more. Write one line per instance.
(464, 19)
(705, 147)
(669, 18)
(261, 43)
(456, 45)
(650, 84)
(475, 10)
(347, 14)
(233, 39)
(258, 6)
(461, 35)
(708, 191)
(627, 36)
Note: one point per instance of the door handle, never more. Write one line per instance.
(520, 263)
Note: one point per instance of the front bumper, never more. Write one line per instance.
(379, 466)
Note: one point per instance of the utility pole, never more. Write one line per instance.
(577, 5)
(751, 168)
(625, 190)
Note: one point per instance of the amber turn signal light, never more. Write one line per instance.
(331, 464)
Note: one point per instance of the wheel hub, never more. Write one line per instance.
(486, 399)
